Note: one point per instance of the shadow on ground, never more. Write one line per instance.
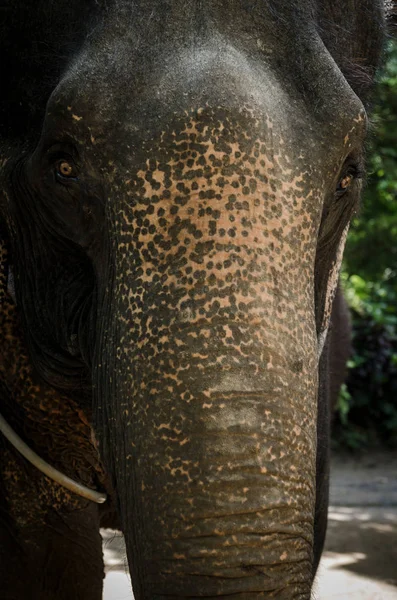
(365, 541)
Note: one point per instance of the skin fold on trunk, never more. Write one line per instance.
(214, 371)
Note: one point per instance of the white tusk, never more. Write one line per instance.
(45, 468)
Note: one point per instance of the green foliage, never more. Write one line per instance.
(372, 247)
(367, 407)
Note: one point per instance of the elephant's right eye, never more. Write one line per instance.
(65, 170)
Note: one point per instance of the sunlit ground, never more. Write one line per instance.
(117, 582)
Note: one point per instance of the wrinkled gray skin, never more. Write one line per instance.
(184, 269)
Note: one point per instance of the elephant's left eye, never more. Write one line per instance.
(345, 182)
(65, 170)
(347, 179)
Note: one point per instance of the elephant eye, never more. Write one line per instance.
(345, 182)
(349, 176)
(65, 170)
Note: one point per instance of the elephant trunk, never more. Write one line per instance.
(210, 434)
(207, 362)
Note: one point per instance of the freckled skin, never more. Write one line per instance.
(176, 229)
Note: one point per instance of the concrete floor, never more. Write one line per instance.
(360, 557)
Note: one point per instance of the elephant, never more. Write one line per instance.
(177, 183)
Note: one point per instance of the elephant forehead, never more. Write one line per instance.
(215, 180)
(214, 191)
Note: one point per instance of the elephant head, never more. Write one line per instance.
(177, 229)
